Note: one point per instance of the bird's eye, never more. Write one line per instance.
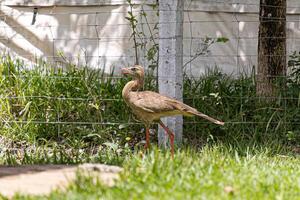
(134, 69)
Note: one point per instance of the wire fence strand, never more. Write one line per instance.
(86, 29)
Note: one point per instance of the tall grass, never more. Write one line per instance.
(80, 108)
(250, 119)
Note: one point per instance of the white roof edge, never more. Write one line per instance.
(49, 3)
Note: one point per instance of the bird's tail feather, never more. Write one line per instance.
(189, 111)
(209, 118)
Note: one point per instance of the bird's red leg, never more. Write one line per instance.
(171, 136)
(147, 145)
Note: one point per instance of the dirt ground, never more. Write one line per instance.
(41, 179)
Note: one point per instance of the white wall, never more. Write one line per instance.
(97, 32)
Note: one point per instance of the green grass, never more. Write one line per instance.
(77, 94)
(216, 172)
(244, 155)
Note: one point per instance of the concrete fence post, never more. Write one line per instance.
(170, 77)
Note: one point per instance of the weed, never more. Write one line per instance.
(82, 109)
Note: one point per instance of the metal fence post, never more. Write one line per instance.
(170, 61)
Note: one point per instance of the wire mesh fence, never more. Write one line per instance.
(66, 95)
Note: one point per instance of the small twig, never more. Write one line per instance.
(133, 21)
(199, 54)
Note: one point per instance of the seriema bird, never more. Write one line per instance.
(150, 106)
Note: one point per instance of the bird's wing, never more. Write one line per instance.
(157, 103)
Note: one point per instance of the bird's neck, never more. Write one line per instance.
(134, 85)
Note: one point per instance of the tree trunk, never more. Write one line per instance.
(271, 47)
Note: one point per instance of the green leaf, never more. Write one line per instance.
(25, 110)
(222, 39)
(122, 126)
(92, 135)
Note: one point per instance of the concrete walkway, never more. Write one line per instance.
(42, 179)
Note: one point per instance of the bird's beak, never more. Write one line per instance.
(125, 71)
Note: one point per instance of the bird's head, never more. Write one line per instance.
(136, 72)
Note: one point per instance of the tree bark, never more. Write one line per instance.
(271, 47)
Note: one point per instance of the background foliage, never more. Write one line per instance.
(80, 111)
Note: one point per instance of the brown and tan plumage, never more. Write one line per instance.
(151, 106)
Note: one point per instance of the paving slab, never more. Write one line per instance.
(42, 179)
